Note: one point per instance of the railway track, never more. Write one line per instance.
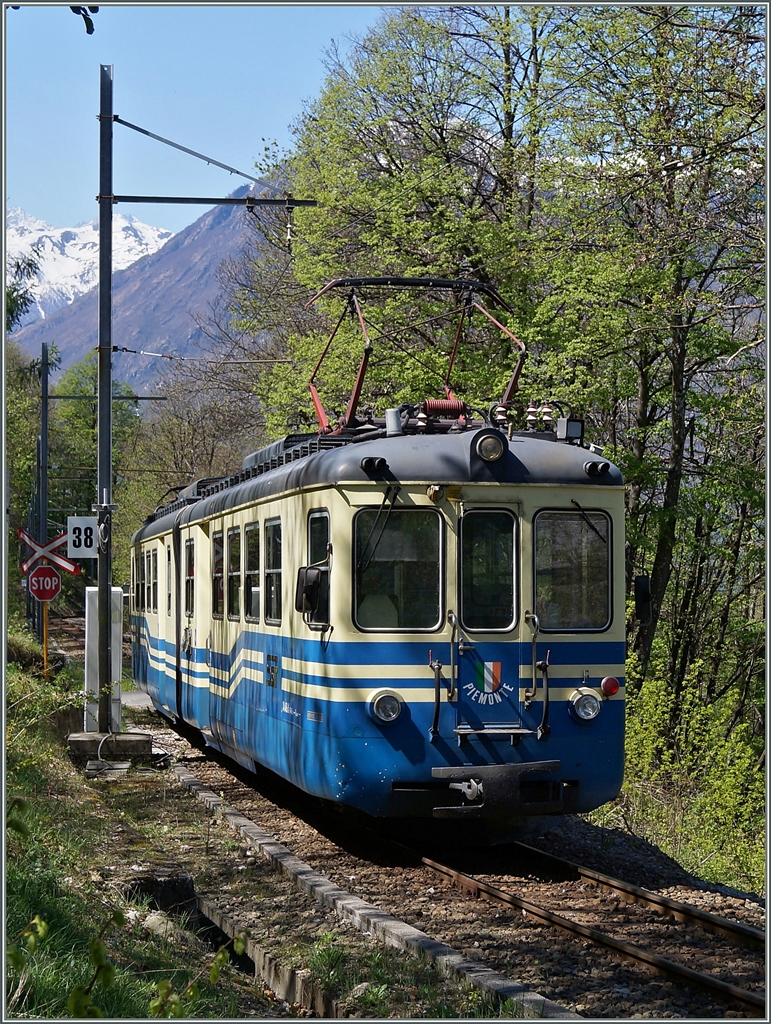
(671, 968)
(569, 969)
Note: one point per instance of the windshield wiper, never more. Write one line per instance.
(362, 565)
(588, 521)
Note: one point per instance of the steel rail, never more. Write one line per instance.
(658, 963)
(672, 908)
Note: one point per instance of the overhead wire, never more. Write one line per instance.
(197, 359)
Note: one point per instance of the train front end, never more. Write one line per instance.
(473, 665)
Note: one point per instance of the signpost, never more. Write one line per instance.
(44, 582)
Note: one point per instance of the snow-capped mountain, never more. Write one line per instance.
(69, 257)
(156, 300)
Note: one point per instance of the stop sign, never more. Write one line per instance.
(44, 583)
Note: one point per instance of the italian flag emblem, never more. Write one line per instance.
(488, 678)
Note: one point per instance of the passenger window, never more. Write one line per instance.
(189, 578)
(572, 570)
(217, 579)
(318, 555)
(252, 572)
(398, 577)
(168, 580)
(488, 570)
(273, 572)
(148, 582)
(234, 573)
(155, 580)
(142, 575)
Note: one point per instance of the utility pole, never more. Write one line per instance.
(37, 530)
(43, 493)
(103, 506)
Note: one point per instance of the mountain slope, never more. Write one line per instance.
(154, 302)
(69, 257)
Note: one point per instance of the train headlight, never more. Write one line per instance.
(585, 704)
(490, 447)
(385, 705)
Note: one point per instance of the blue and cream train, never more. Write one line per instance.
(418, 617)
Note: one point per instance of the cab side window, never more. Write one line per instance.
(155, 580)
(318, 555)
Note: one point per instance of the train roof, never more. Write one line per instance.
(310, 461)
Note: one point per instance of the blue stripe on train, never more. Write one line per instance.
(336, 750)
(389, 652)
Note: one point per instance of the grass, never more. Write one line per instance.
(75, 844)
(381, 981)
(48, 875)
(59, 870)
(675, 821)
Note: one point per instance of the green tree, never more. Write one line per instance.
(604, 166)
(20, 274)
(201, 428)
(423, 152)
(72, 452)
(22, 416)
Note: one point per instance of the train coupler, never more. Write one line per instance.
(500, 791)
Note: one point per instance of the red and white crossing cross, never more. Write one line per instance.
(47, 550)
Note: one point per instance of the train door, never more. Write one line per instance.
(488, 625)
(152, 619)
(228, 706)
(193, 672)
(139, 650)
(166, 638)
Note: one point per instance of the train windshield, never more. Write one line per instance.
(487, 570)
(572, 570)
(398, 557)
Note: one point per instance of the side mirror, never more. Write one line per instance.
(306, 596)
(643, 602)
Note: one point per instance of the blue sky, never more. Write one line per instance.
(216, 78)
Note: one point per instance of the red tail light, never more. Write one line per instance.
(609, 685)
